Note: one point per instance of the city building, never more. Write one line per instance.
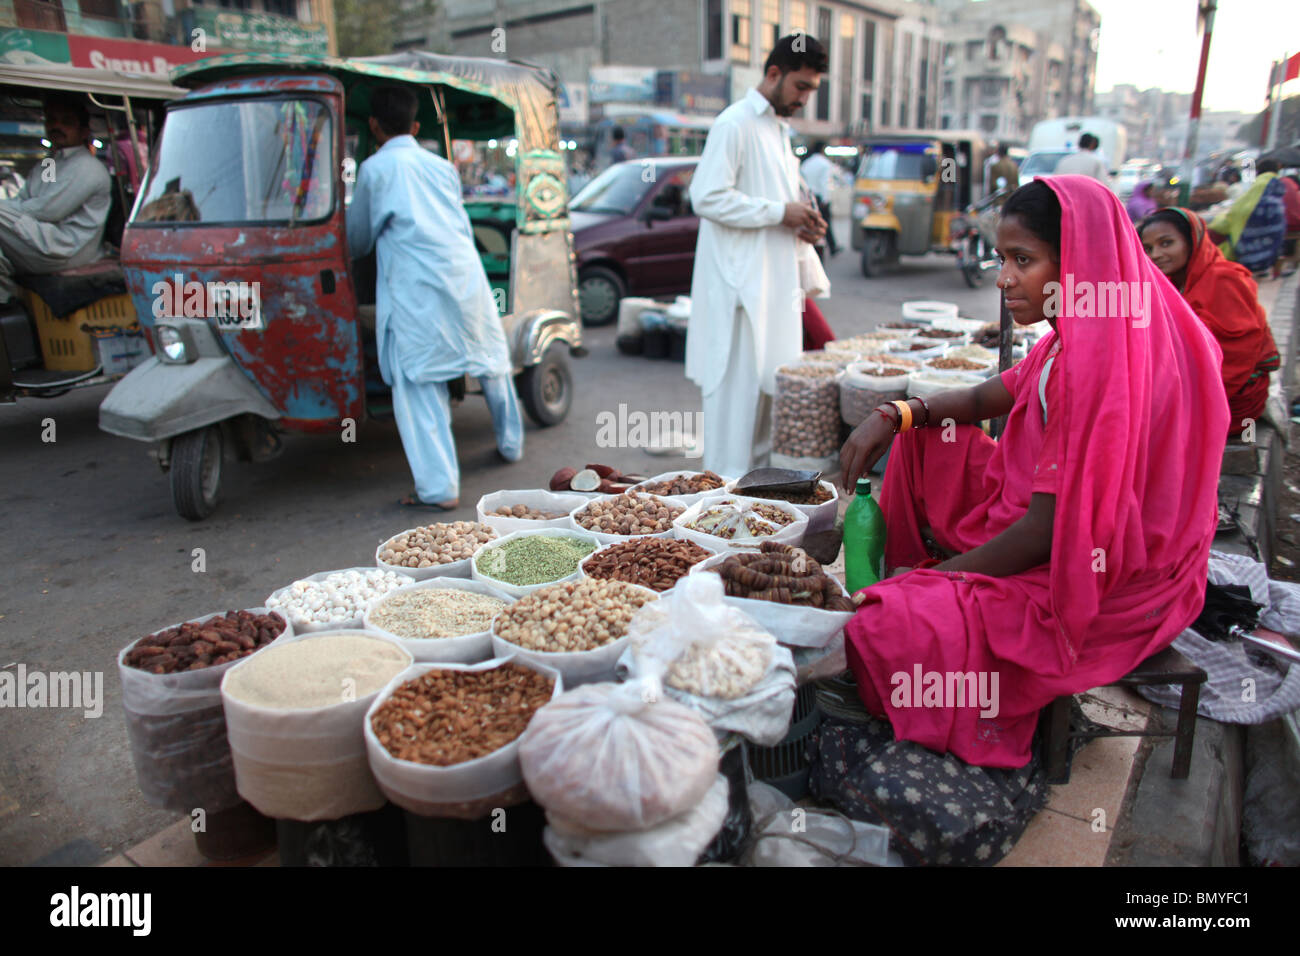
(1147, 116)
(152, 36)
(1011, 63)
(695, 55)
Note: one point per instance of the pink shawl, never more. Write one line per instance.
(1138, 440)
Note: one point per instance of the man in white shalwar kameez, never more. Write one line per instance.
(435, 317)
(755, 237)
(57, 219)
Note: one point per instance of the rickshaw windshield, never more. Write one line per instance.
(251, 161)
(895, 161)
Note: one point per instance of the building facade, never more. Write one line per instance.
(884, 55)
(152, 36)
(1011, 63)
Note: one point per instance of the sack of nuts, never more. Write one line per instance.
(171, 693)
(443, 739)
(608, 758)
(806, 414)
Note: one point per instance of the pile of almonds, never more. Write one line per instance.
(523, 511)
(194, 646)
(577, 615)
(447, 717)
(435, 544)
(655, 563)
(629, 514)
(685, 484)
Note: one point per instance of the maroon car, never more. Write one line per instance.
(634, 234)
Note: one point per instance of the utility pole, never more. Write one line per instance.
(1204, 15)
(1276, 100)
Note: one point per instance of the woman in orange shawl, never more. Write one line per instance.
(1223, 295)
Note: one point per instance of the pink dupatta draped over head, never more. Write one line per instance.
(1137, 414)
(1142, 423)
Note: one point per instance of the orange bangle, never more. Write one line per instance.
(904, 410)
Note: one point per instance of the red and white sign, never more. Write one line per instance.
(129, 56)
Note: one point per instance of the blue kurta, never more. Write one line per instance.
(435, 316)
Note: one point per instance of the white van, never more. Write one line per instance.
(1063, 135)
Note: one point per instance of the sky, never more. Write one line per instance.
(1154, 43)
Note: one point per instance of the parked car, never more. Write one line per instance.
(634, 234)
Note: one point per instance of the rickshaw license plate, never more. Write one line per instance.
(235, 305)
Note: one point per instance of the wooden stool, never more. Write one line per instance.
(1165, 667)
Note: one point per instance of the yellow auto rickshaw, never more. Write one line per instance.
(909, 188)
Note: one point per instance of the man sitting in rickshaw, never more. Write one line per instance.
(436, 319)
(57, 219)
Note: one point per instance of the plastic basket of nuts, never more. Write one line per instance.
(523, 561)
(654, 563)
(334, 600)
(949, 366)
(530, 510)
(444, 620)
(631, 514)
(443, 739)
(786, 612)
(687, 487)
(434, 550)
(578, 627)
(820, 508)
(734, 521)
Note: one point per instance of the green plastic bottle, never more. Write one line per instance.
(864, 539)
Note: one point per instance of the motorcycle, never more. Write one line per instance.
(974, 237)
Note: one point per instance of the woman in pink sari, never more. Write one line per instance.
(1076, 546)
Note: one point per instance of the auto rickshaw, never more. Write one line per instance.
(75, 328)
(908, 189)
(236, 252)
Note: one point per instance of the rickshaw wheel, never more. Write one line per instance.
(875, 252)
(599, 292)
(972, 268)
(546, 389)
(196, 472)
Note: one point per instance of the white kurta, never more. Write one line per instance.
(747, 276)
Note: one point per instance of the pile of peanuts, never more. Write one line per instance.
(685, 484)
(435, 544)
(628, 513)
(523, 511)
(655, 563)
(446, 717)
(807, 413)
(580, 615)
(194, 646)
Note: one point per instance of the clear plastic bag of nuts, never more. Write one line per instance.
(806, 413)
(714, 658)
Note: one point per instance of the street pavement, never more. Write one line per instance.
(96, 556)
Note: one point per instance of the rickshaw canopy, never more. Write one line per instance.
(483, 98)
(79, 79)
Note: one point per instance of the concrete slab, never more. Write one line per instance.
(1054, 839)
(173, 846)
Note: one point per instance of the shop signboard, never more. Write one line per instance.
(261, 32)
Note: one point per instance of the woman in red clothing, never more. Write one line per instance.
(1223, 295)
(1077, 543)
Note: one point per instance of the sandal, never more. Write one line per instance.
(413, 501)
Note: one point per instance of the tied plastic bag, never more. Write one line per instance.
(714, 658)
(676, 842)
(612, 758)
(786, 835)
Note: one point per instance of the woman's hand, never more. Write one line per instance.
(866, 445)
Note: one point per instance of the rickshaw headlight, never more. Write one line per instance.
(171, 343)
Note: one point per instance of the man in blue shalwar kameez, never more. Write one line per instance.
(435, 315)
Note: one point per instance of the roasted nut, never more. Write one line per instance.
(192, 646)
(435, 544)
(655, 563)
(631, 514)
(574, 616)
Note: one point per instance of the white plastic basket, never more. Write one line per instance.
(791, 534)
(929, 310)
(790, 624)
(535, 498)
(452, 569)
(820, 517)
(685, 499)
(522, 590)
(303, 625)
(463, 649)
(605, 538)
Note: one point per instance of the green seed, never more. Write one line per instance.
(534, 559)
